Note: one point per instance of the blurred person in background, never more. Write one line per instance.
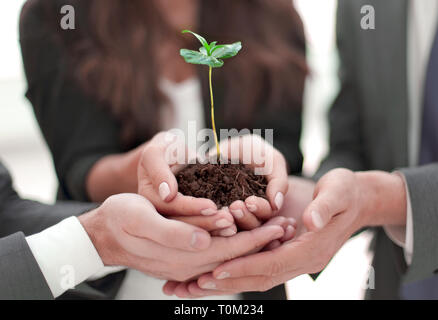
(384, 118)
(101, 91)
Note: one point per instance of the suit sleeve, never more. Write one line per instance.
(20, 275)
(422, 183)
(346, 142)
(77, 132)
(29, 217)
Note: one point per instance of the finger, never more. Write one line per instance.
(170, 233)
(275, 192)
(224, 249)
(327, 204)
(278, 182)
(179, 235)
(288, 224)
(155, 167)
(169, 288)
(259, 207)
(243, 218)
(227, 232)
(276, 173)
(221, 220)
(267, 263)
(188, 206)
(236, 285)
(273, 245)
(289, 234)
(195, 290)
(278, 221)
(181, 291)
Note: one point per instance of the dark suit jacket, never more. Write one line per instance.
(369, 131)
(20, 276)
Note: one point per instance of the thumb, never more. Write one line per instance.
(322, 209)
(180, 235)
(143, 221)
(155, 168)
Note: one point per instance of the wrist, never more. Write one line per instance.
(382, 199)
(92, 225)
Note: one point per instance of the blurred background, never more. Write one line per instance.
(24, 152)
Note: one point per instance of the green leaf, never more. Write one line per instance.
(226, 51)
(203, 51)
(200, 38)
(196, 57)
(212, 46)
(210, 54)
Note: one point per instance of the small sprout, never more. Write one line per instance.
(211, 55)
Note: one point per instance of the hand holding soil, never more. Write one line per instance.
(251, 198)
(248, 199)
(157, 183)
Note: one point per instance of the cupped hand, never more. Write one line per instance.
(258, 154)
(289, 226)
(157, 182)
(333, 215)
(161, 158)
(127, 231)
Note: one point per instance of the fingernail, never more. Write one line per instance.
(317, 220)
(279, 231)
(277, 220)
(279, 199)
(208, 212)
(227, 232)
(223, 223)
(292, 221)
(223, 275)
(199, 240)
(164, 190)
(238, 214)
(251, 207)
(288, 234)
(208, 286)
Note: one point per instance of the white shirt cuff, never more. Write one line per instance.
(65, 255)
(404, 236)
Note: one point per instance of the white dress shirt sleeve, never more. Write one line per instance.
(404, 236)
(65, 255)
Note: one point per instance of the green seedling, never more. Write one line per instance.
(211, 55)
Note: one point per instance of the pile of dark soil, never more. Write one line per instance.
(221, 183)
